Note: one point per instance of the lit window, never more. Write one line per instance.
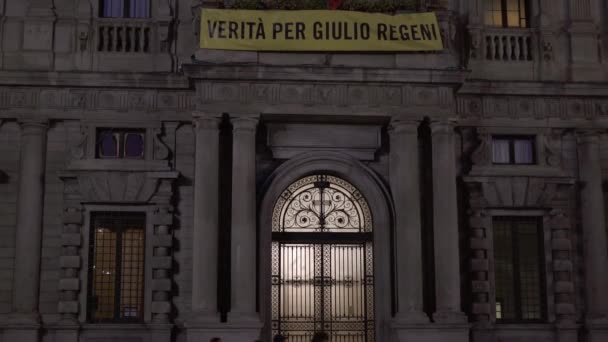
(125, 8)
(506, 13)
(518, 150)
(518, 269)
(116, 267)
(117, 143)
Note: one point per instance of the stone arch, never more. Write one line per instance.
(378, 198)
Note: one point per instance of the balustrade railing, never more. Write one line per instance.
(508, 45)
(126, 35)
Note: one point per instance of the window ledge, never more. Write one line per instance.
(118, 165)
(517, 171)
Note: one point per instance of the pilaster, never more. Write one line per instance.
(243, 239)
(405, 190)
(593, 223)
(24, 320)
(205, 225)
(39, 36)
(584, 43)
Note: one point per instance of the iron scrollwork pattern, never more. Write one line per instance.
(322, 262)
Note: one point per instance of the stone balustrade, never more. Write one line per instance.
(508, 45)
(124, 35)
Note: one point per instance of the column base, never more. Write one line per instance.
(450, 317)
(596, 330)
(412, 317)
(432, 332)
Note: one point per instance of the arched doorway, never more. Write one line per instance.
(322, 271)
(373, 232)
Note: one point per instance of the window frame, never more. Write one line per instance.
(125, 11)
(505, 14)
(122, 133)
(546, 295)
(512, 138)
(89, 209)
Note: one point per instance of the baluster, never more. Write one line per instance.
(108, 38)
(517, 42)
(123, 37)
(501, 47)
(492, 48)
(132, 39)
(142, 33)
(114, 37)
(508, 48)
(526, 48)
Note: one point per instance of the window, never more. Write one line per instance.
(116, 267)
(120, 143)
(125, 8)
(506, 13)
(519, 150)
(518, 269)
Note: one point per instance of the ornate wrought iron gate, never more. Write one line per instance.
(322, 262)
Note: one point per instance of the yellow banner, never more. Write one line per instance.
(318, 30)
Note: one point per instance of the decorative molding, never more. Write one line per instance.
(531, 107)
(119, 100)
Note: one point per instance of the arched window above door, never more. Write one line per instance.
(321, 203)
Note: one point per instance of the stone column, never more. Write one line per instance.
(28, 235)
(594, 227)
(445, 218)
(244, 218)
(405, 189)
(205, 213)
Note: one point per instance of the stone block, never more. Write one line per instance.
(362, 60)
(162, 219)
(562, 265)
(68, 307)
(164, 263)
(281, 58)
(564, 287)
(223, 56)
(72, 217)
(561, 244)
(565, 309)
(161, 284)
(69, 261)
(71, 239)
(71, 284)
(479, 265)
(480, 286)
(160, 307)
(162, 241)
(477, 243)
(481, 308)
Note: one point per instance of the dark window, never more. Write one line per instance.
(125, 8)
(506, 13)
(518, 269)
(116, 267)
(518, 150)
(120, 143)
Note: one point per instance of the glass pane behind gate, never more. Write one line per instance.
(323, 287)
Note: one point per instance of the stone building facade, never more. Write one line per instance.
(466, 186)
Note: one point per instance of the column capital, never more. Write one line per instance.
(589, 135)
(400, 124)
(36, 122)
(443, 126)
(244, 122)
(205, 121)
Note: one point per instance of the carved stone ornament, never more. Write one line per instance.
(552, 142)
(482, 155)
(117, 187)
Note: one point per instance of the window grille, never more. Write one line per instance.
(518, 269)
(125, 8)
(506, 13)
(120, 143)
(116, 267)
(322, 262)
(517, 150)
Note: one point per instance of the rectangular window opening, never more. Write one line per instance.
(514, 150)
(125, 8)
(116, 267)
(518, 269)
(117, 143)
(506, 13)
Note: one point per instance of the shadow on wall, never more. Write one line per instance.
(3, 177)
